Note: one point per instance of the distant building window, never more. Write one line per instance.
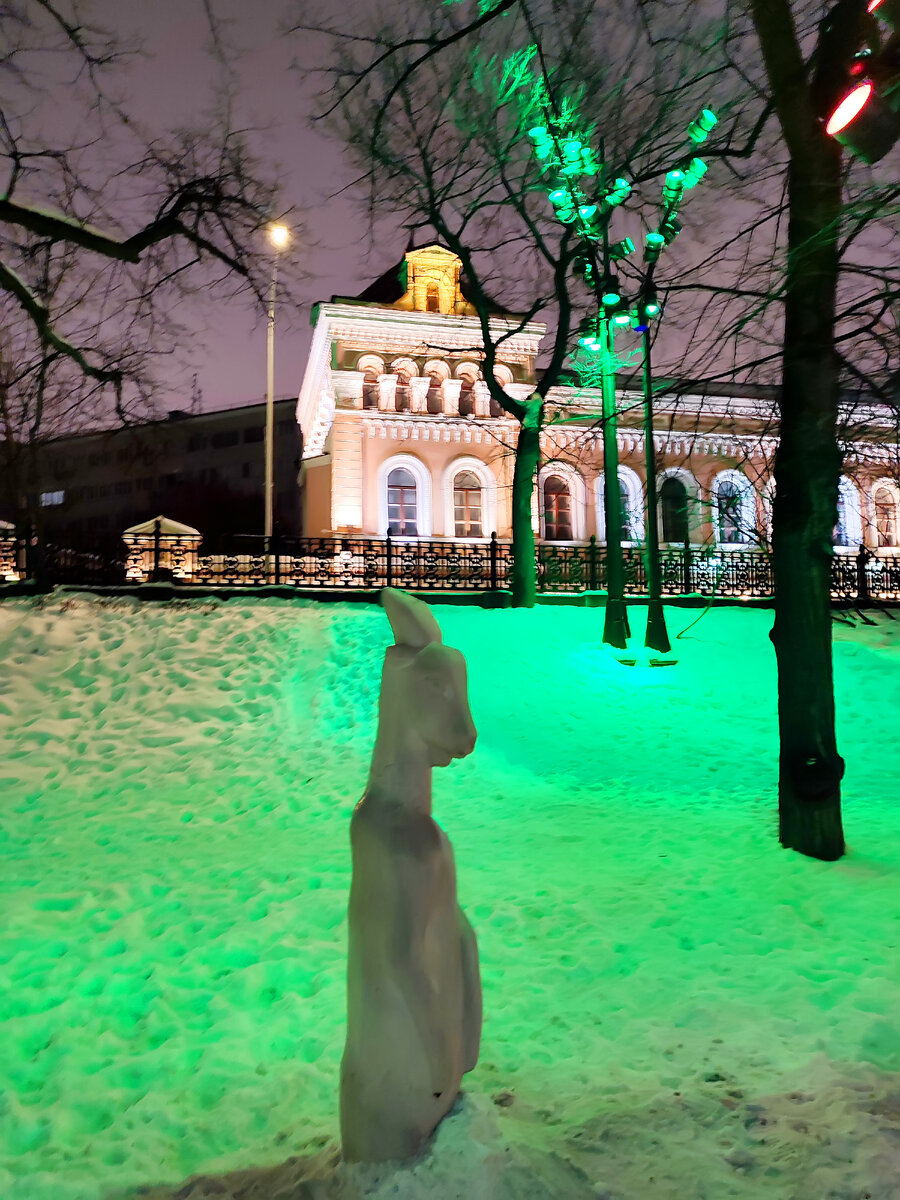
(287, 425)
(225, 437)
(52, 499)
(467, 504)
(673, 501)
(254, 433)
(402, 503)
(145, 484)
(557, 510)
(123, 487)
(196, 441)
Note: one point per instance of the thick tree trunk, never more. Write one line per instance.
(807, 469)
(528, 453)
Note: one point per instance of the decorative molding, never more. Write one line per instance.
(422, 476)
(488, 493)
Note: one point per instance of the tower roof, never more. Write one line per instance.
(427, 278)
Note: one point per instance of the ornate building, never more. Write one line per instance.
(401, 436)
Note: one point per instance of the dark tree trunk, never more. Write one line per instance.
(807, 470)
(528, 452)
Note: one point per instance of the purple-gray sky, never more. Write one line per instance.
(175, 83)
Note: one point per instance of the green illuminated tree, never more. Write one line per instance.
(438, 120)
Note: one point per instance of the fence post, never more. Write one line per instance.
(157, 532)
(592, 563)
(494, 561)
(388, 565)
(686, 569)
(862, 583)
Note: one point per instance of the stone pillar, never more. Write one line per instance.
(348, 388)
(482, 399)
(387, 393)
(450, 390)
(418, 394)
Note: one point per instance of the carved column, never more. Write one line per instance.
(387, 393)
(450, 389)
(418, 394)
(482, 398)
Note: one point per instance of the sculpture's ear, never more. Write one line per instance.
(411, 620)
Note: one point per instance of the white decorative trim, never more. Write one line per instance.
(408, 365)
(891, 487)
(422, 476)
(577, 494)
(488, 494)
(437, 366)
(634, 487)
(748, 506)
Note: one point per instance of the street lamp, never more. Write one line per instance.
(279, 237)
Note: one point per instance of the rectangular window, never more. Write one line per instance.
(225, 437)
(123, 487)
(196, 442)
(254, 433)
(52, 499)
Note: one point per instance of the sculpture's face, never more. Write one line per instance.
(440, 704)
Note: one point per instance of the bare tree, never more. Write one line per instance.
(106, 228)
(437, 121)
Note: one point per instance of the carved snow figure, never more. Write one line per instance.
(414, 991)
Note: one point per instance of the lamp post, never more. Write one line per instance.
(279, 236)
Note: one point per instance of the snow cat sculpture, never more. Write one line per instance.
(414, 989)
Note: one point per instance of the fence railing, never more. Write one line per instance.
(354, 564)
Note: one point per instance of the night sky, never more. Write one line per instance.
(169, 87)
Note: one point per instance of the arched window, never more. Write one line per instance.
(848, 531)
(631, 506)
(557, 509)
(401, 503)
(673, 503)
(884, 504)
(734, 507)
(433, 298)
(467, 396)
(370, 388)
(467, 505)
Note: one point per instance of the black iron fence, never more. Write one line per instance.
(351, 564)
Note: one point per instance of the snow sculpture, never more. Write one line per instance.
(414, 990)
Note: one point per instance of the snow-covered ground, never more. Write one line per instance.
(674, 1006)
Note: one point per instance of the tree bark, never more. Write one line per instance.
(807, 470)
(528, 452)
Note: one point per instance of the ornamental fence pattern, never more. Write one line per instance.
(361, 564)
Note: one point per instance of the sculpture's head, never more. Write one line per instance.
(429, 679)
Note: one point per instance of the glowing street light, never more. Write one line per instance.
(279, 238)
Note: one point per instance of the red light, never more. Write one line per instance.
(849, 108)
(873, 4)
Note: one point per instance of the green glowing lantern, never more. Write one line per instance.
(558, 197)
(587, 211)
(571, 148)
(587, 333)
(673, 188)
(618, 193)
(700, 128)
(622, 317)
(697, 168)
(621, 249)
(589, 163)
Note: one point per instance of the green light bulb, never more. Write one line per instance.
(586, 211)
(610, 298)
(655, 241)
(651, 308)
(558, 196)
(707, 120)
(622, 318)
